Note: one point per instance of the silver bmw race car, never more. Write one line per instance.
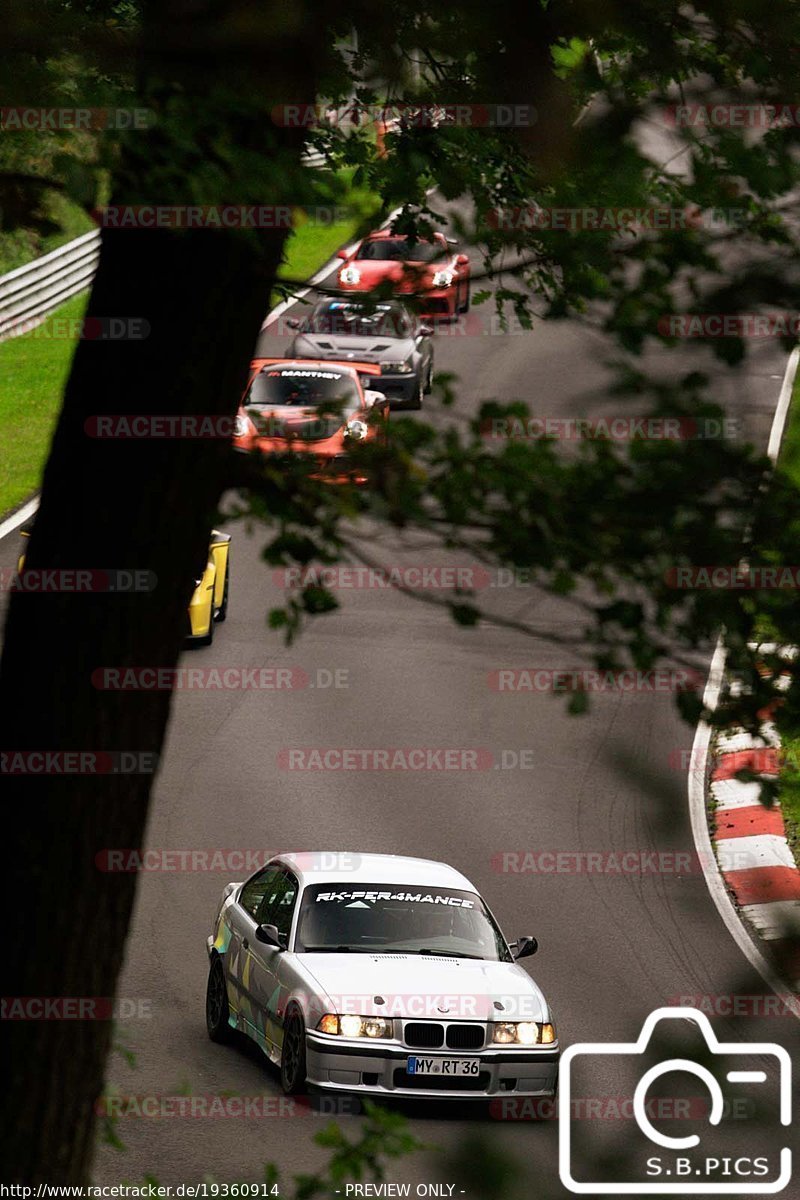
(377, 974)
(384, 333)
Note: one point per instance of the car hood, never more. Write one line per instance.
(290, 422)
(348, 345)
(417, 986)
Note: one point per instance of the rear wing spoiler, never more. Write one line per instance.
(362, 368)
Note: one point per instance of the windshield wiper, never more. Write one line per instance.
(335, 950)
(449, 954)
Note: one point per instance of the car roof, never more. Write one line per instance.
(336, 866)
(380, 234)
(304, 364)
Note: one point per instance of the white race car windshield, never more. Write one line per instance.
(360, 320)
(397, 919)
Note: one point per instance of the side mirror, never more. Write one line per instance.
(292, 323)
(524, 946)
(426, 331)
(342, 254)
(462, 260)
(268, 934)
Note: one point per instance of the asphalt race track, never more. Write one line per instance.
(612, 947)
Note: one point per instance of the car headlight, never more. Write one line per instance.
(351, 1026)
(350, 275)
(241, 426)
(397, 368)
(523, 1033)
(357, 430)
(443, 278)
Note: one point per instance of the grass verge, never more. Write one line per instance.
(314, 241)
(789, 792)
(21, 246)
(33, 372)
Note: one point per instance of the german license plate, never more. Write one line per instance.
(457, 1067)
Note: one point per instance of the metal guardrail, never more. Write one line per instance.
(30, 292)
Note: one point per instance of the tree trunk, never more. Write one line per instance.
(135, 504)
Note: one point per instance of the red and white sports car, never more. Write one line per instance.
(430, 269)
(319, 408)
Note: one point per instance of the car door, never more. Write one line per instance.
(241, 920)
(265, 993)
(424, 345)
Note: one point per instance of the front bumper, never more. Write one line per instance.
(200, 615)
(336, 1064)
(435, 302)
(398, 389)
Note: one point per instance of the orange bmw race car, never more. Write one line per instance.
(320, 408)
